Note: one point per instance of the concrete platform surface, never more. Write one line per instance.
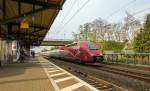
(39, 74)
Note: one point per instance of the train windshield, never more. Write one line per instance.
(92, 46)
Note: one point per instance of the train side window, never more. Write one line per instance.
(92, 46)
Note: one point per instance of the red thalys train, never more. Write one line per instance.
(82, 51)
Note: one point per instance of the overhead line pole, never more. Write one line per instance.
(110, 15)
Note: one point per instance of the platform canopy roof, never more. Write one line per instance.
(39, 14)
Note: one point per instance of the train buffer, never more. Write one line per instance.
(37, 75)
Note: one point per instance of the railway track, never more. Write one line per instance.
(97, 83)
(136, 74)
(126, 72)
(129, 79)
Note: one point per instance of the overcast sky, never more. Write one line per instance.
(110, 10)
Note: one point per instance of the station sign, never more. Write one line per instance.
(24, 24)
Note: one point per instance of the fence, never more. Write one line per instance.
(136, 58)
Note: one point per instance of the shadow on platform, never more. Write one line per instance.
(18, 68)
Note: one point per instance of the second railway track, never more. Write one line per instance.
(120, 77)
(126, 72)
(97, 83)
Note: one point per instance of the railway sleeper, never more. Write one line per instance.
(109, 89)
(91, 81)
(97, 83)
(128, 74)
(100, 84)
(94, 84)
(106, 89)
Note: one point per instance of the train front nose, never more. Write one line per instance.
(98, 58)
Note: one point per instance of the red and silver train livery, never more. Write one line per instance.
(82, 51)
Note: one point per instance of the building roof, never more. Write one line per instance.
(40, 15)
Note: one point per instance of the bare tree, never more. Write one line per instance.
(104, 30)
(99, 28)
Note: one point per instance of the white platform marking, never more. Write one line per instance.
(51, 80)
(63, 79)
(54, 82)
(54, 70)
(81, 81)
(51, 68)
(57, 74)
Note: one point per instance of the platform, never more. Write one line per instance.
(39, 74)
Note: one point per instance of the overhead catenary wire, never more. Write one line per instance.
(87, 3)
(84, 6)
(124, 6)
(67, 13)
(135, 13)
(79, 9)
(141, 11)
(138, 12)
